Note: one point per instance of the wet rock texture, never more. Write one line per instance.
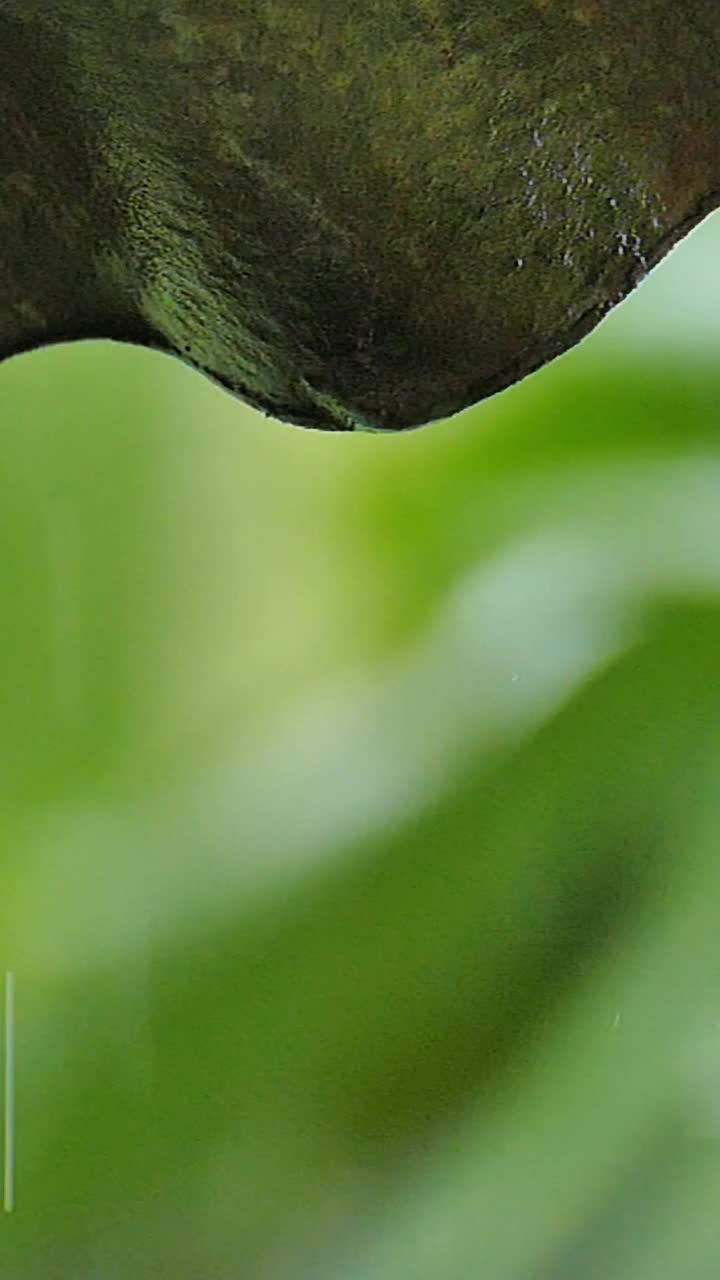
(353, 216)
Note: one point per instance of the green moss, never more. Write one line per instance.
(397, 208)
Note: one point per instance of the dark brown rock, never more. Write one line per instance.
(350, 215)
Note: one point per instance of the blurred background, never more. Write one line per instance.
(359, 820)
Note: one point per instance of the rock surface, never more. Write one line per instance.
(353, 216)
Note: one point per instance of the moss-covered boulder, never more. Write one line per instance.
(351, 215)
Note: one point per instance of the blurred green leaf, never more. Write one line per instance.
(359, 824)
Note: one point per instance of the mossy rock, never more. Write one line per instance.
(353, 216)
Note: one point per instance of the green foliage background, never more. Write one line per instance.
(359, 820)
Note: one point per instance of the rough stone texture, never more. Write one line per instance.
(351, 215)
